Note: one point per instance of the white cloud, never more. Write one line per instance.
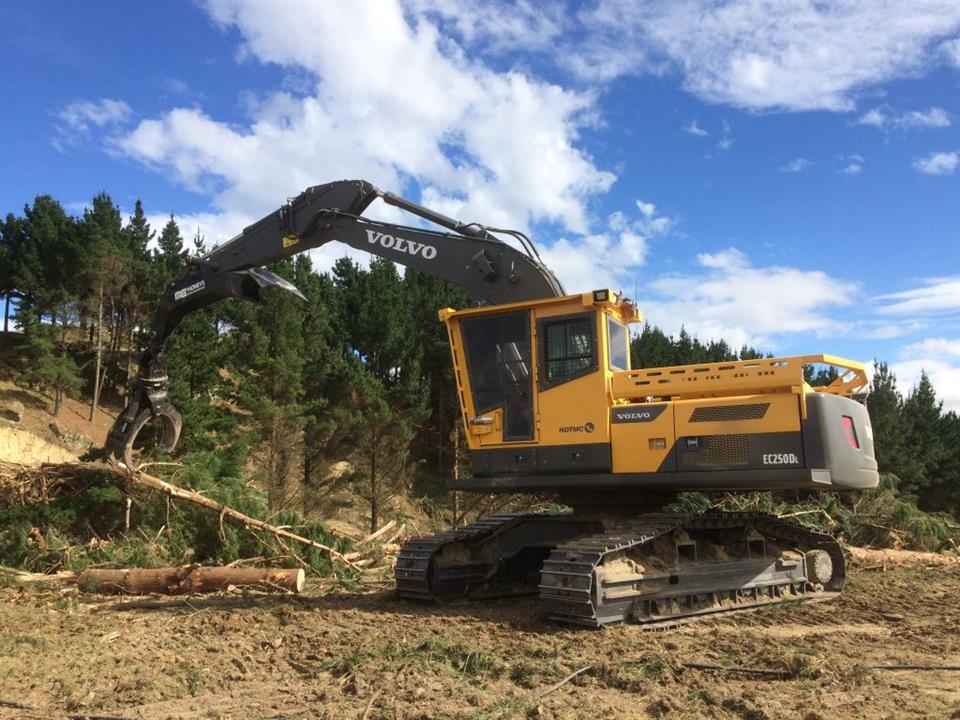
(796, 165)
(940, 359)
(802, 55)
(935, 117)
(522, 25)
(939, 347)
(732, 299)
(951, 49)
(608, 259)
(853, 164)
(394, 103)
(938, 163)
(693, 129)
(874, 117)
(725, 141)
(78, 119)
(935, 297)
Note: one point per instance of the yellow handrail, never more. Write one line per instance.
(739, 377)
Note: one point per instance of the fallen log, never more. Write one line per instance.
(189, 579)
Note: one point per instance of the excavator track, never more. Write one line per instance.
(613, 576)
(497, 556)
(414, 561)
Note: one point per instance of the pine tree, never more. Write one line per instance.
(194, 355)
(436, 444)
(45, 258)
(49, 368)
(948, 473)
(652, 348)
(885, 407)
(170, 253)
(140, 292)
(387, 400)
(323, 361)
(270, 362)
(820, 375)
(9, 231)
(921, 416)
(104, 273)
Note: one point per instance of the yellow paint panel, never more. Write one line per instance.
(632, 451)
(569, 411)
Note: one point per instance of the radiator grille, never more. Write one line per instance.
(720, 413)
(717, 450)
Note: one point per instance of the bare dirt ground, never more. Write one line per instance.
(367, 655)
(32, 442)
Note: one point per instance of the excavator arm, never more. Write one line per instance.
(490, 270)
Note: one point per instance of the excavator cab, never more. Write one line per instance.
(534, 381)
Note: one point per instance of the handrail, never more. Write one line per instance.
(738, 377)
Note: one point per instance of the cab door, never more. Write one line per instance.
(499, 368)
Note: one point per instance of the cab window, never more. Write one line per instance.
(568, 348)
(618, 344)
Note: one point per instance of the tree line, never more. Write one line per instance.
(351, 389)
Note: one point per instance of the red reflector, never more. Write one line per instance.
(851, 432)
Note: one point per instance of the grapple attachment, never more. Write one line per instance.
(150, 401)
(200, 286)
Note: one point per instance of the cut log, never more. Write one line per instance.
(382, 531)
(189, 579)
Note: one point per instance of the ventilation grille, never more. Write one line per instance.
(721, 413)
(718, 450)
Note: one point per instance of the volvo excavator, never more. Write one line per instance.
(551, 404)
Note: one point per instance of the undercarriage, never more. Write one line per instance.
(654, 568)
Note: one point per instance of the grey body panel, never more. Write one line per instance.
(826, 444)
(542, 460)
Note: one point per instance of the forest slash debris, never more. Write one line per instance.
(22, 485)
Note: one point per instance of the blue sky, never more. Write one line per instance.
(784, 174)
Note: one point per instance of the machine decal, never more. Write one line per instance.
(636, 414)
(781, 459)
(395, 242)
(189, 290)
(586, 427)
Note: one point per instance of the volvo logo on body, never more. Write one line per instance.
(634, 416)
(636, 413)
(395, 242)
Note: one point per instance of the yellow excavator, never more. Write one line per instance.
(551, 405)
